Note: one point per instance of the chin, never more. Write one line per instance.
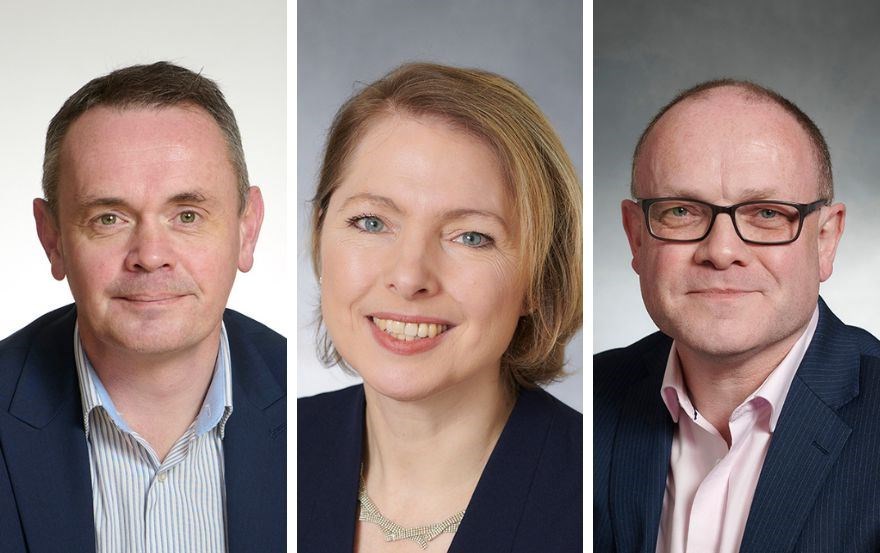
(401, 386)
(153, 339)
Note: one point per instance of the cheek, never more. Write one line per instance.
(91, 266)
(491, 295)
(662, 267)
(347, 273)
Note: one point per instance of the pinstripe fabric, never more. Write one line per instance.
(142, 505)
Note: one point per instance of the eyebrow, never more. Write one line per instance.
(91, 202)
(460, 213)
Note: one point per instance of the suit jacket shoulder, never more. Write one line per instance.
(529, 497)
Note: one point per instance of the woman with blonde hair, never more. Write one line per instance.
(446, 237)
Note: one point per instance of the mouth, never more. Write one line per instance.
(149, 299)
(720, 291)
(410, 330)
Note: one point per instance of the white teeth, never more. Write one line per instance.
(408, 331)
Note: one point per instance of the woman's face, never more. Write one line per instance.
(420, 264)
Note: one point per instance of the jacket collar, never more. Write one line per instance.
(254, 446)
(808, 438)
(45, 447)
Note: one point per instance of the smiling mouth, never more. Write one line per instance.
(409, 331)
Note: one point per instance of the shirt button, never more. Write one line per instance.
(161, 477)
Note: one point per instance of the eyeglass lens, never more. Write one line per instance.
(764, 222)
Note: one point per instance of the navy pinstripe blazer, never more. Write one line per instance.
(819, 488)
(45, 483)
(528, 499)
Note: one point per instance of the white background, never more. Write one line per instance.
(49, 49)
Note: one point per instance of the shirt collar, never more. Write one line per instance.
(773, 390)
(216, 407)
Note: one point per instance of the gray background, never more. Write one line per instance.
(824, 56)
(50, 48)
(346, 43)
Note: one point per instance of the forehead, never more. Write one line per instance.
(725, 144)
(427, 163)
(111, 151)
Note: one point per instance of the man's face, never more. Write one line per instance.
(148, 230)
(721, 297)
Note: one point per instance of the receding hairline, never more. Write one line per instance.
(753, 93)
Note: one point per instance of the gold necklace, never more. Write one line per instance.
(368, 512)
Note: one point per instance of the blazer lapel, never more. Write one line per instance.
(45, 447)
(496, 507)
(809, 437)
(254, 451)
(640, 460)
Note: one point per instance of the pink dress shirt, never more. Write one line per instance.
(709, 487)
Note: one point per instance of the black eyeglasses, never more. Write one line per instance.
(756, 222)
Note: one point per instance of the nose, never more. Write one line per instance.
(723, 247)
(412, 269)
(149, 248)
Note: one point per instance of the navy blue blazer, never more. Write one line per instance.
(528, 500)
(45, 483)
(819, 488)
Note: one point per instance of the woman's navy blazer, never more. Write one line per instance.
(528, 499)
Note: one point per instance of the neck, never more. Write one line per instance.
(158, 395)
(435, 447)
(718, 384)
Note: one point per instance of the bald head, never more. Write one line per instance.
(723, 103)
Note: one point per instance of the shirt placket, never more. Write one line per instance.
(160, 515)
(708, 514)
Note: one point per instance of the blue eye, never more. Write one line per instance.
(474, 239)
(368, 223)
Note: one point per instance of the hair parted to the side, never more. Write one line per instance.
(751, 91)
(158, 85)
(540, 176)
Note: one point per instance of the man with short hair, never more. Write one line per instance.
(751, 421)
(146, 416)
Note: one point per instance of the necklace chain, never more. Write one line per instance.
(368, 512)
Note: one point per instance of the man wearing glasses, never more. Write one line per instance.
(751, 422)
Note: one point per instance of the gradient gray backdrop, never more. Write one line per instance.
(823, 56)
(346, 43)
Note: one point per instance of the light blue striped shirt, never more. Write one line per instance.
(140, 504)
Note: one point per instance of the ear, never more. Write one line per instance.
(249, 228)
(634, 228)
(50, 237)
(832, 220)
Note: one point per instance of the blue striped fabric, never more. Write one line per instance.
(140, 504)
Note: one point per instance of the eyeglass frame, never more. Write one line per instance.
(803, 211)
